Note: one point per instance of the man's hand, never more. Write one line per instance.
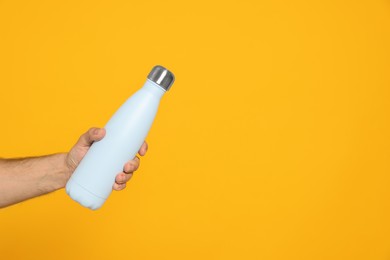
(82, 146)
(26, 178)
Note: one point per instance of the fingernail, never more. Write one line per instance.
(96, 131)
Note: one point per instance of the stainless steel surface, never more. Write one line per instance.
(161, 76)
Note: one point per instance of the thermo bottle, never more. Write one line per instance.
(91, 183)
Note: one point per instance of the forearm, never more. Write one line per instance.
(21, 179)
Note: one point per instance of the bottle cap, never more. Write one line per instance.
(162, 77)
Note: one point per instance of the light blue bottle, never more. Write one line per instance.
(91, 183)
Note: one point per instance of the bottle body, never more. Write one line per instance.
(91, 183)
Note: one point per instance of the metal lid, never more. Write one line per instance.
(161, 76)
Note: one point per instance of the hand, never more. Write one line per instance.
(82, 146)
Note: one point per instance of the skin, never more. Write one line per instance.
(26, 178)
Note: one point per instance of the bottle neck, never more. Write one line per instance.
(153, 88)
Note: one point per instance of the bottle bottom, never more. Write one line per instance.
(83, 196)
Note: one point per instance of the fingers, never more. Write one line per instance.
(132, 165)
(144, 148)
(119, 187)
(121, 180)
(128, 170)
(92, 135)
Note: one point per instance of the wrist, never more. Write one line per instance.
(64, 171)
(57, 173)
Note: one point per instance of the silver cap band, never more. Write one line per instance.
(162, 77)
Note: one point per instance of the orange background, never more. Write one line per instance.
(272, 144)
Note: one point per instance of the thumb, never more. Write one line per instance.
(92, 135)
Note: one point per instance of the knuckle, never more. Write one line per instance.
(133, 167)
(128, 168)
